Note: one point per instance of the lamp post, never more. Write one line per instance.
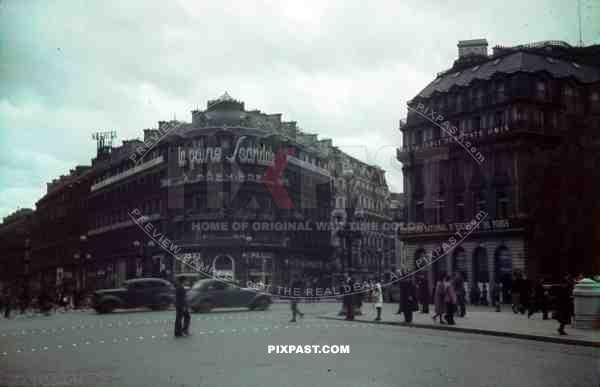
(248, 239)
(379, 263)
(347, 233)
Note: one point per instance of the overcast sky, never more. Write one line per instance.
(342, 69)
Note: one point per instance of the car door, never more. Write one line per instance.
(135, 294)
(217, 291)
(234, 297)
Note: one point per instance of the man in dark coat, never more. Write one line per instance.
(296, 284)
(539, 301)
(564, 304)
(181, 311)
(408, 299)
(348, 298)
(459, 288)
(424, 295)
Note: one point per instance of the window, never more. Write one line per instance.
(499, 119)
(419, 137)
(501, 205)
(500, 92)
(476, 123)
(541, 90)
(440, 216)
(595, 101)
(460, 209)
(480, 203)
(420, 212)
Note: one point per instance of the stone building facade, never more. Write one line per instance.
(483, 143)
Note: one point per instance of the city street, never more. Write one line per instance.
(229, 348)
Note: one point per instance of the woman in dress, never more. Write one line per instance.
(439, 302)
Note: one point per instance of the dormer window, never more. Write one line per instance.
(541, 90)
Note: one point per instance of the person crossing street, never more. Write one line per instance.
(378, 299)
(181, 311)
(297, 284)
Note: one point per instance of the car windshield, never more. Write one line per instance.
(202, 284)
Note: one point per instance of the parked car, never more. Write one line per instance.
(153, 293)
(207, 294)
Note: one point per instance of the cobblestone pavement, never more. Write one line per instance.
(230, 348)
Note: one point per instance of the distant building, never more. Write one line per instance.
(508, 141)
(15, 242)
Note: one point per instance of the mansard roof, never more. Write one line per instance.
(519, 61)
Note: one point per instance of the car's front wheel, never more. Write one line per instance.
(203, 307)
(106, 307)
(261, 304)
(163, 304)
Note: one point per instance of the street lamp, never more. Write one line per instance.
(248, 239)
(379, 263)
(347, 233)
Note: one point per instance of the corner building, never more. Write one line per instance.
(203, 186)
(524, 153)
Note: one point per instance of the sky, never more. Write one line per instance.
(342, 69)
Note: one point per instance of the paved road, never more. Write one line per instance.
(229, 348)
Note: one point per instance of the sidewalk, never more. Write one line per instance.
(484, 320)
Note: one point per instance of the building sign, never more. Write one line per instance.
(262, 154)
(485, 225)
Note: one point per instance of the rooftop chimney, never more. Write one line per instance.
(473, 47)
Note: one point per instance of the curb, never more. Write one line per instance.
(522, 336)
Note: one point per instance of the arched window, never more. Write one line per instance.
(480, 269)
(459, 262)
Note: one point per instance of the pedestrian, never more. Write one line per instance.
(525, 294)
(296, 284)
(378, 298)
(461, 295)
(181, 311)
(439, 300)
(349, 299)
(7, 302)
(408, 299)
(564, 304)
(474, 293)
(423, 294)
(516, 292)
(484, 295)
(450, 300)
(539, 303)
(496, 289)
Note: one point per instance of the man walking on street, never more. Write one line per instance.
(496, 289)
(349, 299)
(378, 300)
(539, 303)
(297, 284)
(408, 299)
(181, 311)
(461, 296)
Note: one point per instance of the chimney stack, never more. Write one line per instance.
(473, 47)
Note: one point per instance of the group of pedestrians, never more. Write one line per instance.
(531, 299)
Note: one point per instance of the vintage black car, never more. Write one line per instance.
(208, 294)
(153, 293)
